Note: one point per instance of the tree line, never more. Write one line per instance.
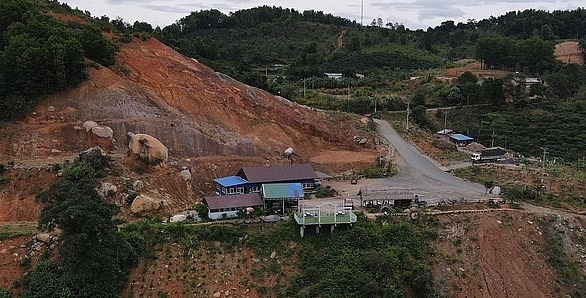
(40, 55)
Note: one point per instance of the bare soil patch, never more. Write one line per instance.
(487, 255)
(475, 68)
(569, 52)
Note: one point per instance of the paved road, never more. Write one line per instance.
(422, 174)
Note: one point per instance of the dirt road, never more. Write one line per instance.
(421, 174)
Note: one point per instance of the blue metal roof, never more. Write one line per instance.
(230, 181)
(460, 137)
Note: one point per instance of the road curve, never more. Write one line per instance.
(422, 174)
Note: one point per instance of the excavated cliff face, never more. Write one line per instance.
(192, 110)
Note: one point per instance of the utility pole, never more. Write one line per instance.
(445, 120)
(543, 162)
(303, 89)
(361, 12)
(348, 100)
(407, 125)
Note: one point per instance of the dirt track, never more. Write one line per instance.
(422, 174)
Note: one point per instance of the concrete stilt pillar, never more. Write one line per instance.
(317, 229)
(301, 231)
(331, 229)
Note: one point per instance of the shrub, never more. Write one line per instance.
(325, 192)
(5, 293)
(202, 210)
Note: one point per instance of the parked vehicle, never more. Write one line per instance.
(488, 155)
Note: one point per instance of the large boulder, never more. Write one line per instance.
(95, 156)
(185, 174)
(147, 147)
(89, 125)
(145, 204)
(103, 131)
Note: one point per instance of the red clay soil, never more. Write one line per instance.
(11, 252)
(194, 111)
(493, 255)
(18, 198)
(211, 124)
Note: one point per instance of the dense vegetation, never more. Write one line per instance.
(384, 258)
(40, 55)
(93, 258)
(387, 258)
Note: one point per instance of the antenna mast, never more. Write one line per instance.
(361, 12)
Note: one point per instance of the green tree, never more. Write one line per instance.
(494, 51)
(492, 91)
(93, 258)
(467, 83)
(96, 47)
(534, 55)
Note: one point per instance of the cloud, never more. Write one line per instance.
(167, 8)
(424, 10)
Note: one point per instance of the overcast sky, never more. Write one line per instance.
(414, 14)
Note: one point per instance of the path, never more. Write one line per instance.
(422, 174)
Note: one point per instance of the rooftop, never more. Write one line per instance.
(230, 181)
(278, 173)
(460, 137)
(282, 190)
(445, 131)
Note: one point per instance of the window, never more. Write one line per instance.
(240, 189)
(230, 190)
(255, 188)
(307, 185)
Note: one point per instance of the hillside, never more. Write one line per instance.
(192, 110)
(211, 124)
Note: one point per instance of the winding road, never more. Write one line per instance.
(423, 175)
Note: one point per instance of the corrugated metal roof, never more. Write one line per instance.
(445, 132)
(230, 181)
(233, 201)
(278, 173)
(322, 175)
(460, 137)
(282, 190)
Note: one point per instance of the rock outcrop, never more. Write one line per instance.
(145, 204)
(147, 147)
(94, 156)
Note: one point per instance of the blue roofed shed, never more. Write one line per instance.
(230, 185)
(460, 139)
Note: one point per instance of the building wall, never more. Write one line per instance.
(218, 215)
